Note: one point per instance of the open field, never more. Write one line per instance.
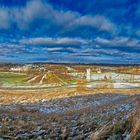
(21, 96)
(24, 81)
(58, 102)
(16, 79)
(68, 113)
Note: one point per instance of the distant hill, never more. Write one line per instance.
(51, 63)
(87, 64)
(3, 64)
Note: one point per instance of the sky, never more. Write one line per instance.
(70, 31)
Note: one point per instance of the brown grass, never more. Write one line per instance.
(131, 125)
(135, 134)
(9, 96)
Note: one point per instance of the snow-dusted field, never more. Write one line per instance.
(65, 113)
(113, 85)
(77, 103)
(116, 77)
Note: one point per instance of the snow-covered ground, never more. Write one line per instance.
(68, 104)
(76, 117)
(116, 77)
(113, 85)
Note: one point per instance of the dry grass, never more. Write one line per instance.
(86, 119)
(130, 125)
(10, 96)
(135, 134)
(103, 133)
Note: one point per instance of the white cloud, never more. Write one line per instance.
(138, 32)
(9, 48)
(54, 41)
(118, 41)
(4, 19)
(99, 22)
(24, 16)
(37, 9)
(54, 49)
(101, 51)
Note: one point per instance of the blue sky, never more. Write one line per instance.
(76, 31)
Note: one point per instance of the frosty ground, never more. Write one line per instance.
(70, 114)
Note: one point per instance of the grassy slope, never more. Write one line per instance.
(12, 79)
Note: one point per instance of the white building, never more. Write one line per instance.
(20, 68)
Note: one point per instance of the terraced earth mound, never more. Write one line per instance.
(51, 78)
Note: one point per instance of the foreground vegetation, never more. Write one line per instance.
(69, 113)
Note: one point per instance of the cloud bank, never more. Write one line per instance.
(88, 31)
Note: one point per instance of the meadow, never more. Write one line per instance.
(15, 79)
